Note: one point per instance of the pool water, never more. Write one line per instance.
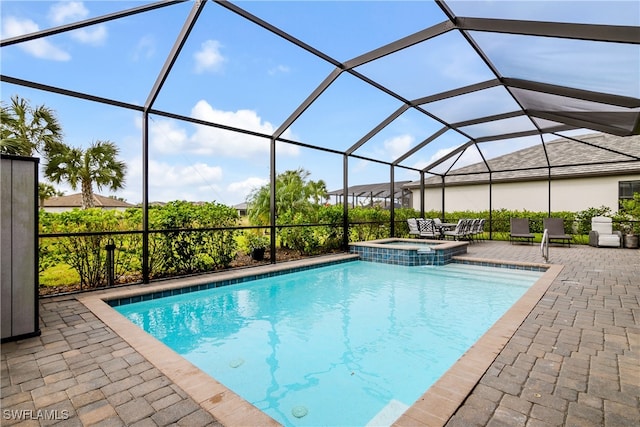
(342, 345)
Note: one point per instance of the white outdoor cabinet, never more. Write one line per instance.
(19, 247)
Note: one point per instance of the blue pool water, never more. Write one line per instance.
(348, 344)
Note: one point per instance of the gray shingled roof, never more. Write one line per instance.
(599, 155)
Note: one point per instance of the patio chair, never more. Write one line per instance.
(478, 229)
(460, 232)
(602, 233)
(519, 231)
(413, 227)
(428, 229)
(555, 228)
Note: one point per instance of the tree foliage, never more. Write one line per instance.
(25, 130)
(97, 165)
(295, 194)
(187, 243)
(46, 191)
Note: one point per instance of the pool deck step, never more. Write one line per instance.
(389, 414)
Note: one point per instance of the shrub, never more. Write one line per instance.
(84, 249)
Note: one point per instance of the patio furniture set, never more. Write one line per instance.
(601, 234)
(464, 229)
(519, 231)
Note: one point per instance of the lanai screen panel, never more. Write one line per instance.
(346, 29)
(347, 110)
(85, 59)
(616, 12)
(436, 65)
(399, 136)
(460, 109)
(243, 75)
(476, 76)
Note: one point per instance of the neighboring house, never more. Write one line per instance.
(74, 201)
(581, 176)
(241, 208)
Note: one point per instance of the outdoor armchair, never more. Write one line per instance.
(519, 231)
(461, 231)
(602, 233)
(555, 229)
(428, 229)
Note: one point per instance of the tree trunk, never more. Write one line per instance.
(87, 195)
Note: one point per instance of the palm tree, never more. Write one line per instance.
(97, 165)
(25, 130)
(293, 194)
(318, 191)
(46, 191)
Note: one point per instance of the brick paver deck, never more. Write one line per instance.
(574, 361)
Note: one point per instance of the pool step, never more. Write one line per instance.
(491, 270)
(389, 414)
(478, 273)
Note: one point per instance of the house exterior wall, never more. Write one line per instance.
(575, 194)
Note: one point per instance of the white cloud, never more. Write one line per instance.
(208, 140)
(196, 182)
(279, 69)
(145, 48)
(397, 146)
(241, 189)
(209, 58)
(166, 136)
(67, 11)
(94, 36)
(170, 137)
(40, 48)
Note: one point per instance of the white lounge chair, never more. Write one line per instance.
(602, 233)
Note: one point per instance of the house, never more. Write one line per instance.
(241, 208)
(596, 172)
(74, 201)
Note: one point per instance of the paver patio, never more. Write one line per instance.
(574, 361)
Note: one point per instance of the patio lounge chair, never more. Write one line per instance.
(413, 227)
(555, 228)
(602, 233)
(428, 229)
(520, 231)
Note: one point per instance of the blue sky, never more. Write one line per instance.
(238, 74)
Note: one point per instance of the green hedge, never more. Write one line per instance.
(188, 238)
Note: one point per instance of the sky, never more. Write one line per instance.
(238, 74)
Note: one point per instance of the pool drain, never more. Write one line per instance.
(299, 411)
(236, 362)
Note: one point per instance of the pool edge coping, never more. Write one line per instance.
(440, 402)
(433, 408)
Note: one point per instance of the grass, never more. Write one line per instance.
(59, 275)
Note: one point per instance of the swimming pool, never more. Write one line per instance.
(352, 335)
